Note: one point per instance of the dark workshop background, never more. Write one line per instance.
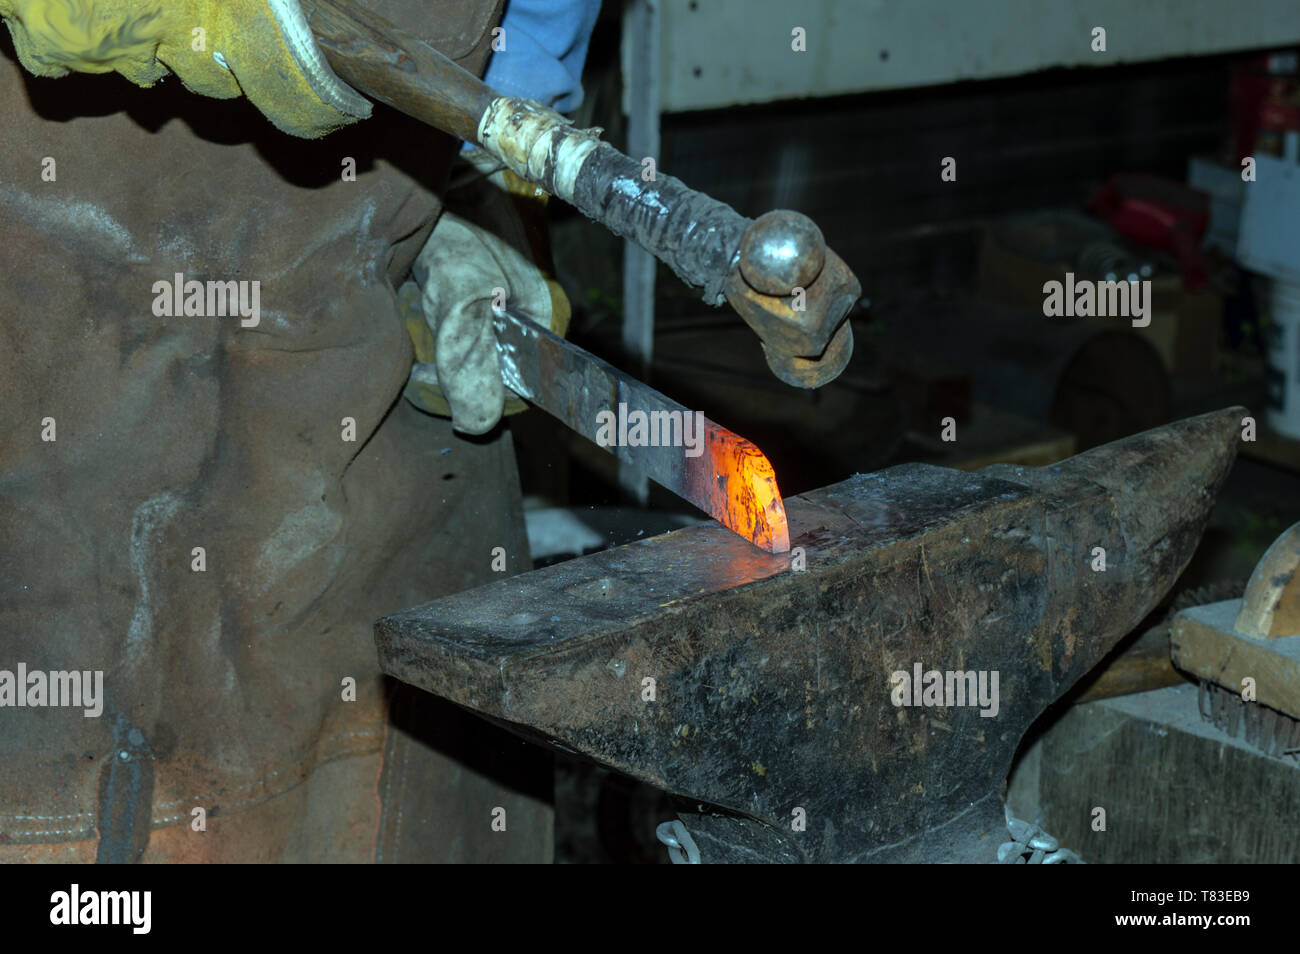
(950, 322)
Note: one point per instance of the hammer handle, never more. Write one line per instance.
(397, 69)
(695, 235)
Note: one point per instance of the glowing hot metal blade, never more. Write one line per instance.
(720, 472)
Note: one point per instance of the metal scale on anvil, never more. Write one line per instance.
(773, 666)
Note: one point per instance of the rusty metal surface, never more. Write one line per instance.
(723, 474)
(806, 342)
(773, 685)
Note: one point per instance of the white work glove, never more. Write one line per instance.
(460, 271)
(448, 309)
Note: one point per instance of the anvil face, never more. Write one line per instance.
(799, 687)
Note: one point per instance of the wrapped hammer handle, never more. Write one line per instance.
(695, 235)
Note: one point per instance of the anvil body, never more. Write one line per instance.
(772, 696)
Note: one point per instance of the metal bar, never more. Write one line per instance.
(720, 472)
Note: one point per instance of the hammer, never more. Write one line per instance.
(776, 270)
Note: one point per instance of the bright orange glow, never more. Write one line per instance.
(742, 488)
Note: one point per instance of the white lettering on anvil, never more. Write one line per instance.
(638, 428)
(956, 687)
(212, 299)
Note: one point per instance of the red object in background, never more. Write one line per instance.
(1161, 213)
(1265, 103)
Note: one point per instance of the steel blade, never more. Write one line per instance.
(702, 462)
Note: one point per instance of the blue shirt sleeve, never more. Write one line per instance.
(545, 49)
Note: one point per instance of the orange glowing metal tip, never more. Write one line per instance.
(740, 485)
(720, 472)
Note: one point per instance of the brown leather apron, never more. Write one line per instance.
(224, 687)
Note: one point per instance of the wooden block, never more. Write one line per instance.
(1175, 789)
(1139, 670)
(1204, 643)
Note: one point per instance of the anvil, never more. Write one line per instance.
(764, 686)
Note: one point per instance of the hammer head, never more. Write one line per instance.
(795, 293)
(799, 686)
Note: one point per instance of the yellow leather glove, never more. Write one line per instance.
(220, 48)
